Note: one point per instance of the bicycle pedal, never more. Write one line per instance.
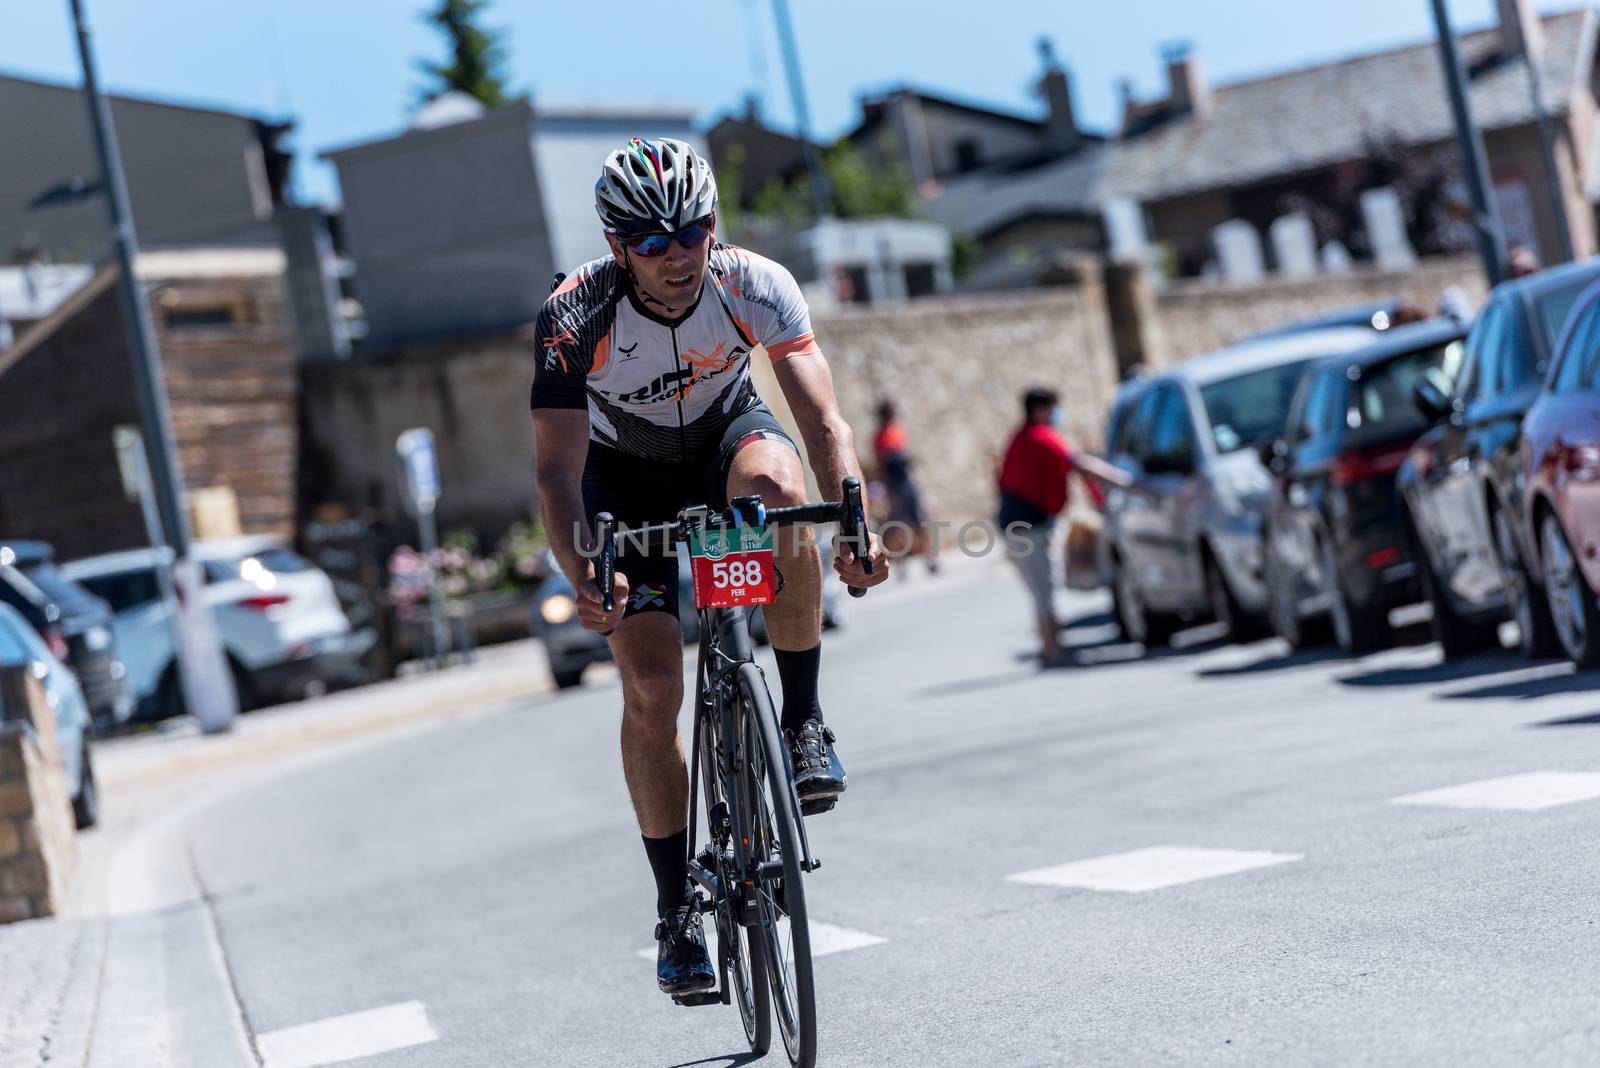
(699, 997)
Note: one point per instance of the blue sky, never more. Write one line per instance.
(345, 69)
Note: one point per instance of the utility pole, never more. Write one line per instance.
(1485, 219)
(1552, 177)
(821, 196)
(207, 684)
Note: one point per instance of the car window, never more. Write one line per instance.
(276, 561)
(1552, 309)
(67, 595)
(1466, 378)
(1249, 409)
(1172, 433)
(1136, 434)
(1316, 398)
(1578, 350)
(124, 590)
(1493, 341)
(1383, 394)
(1331, 412)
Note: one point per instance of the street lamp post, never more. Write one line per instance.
(1485, 219)
(821, 196)
(204, 675)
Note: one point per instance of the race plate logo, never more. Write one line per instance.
(714, 544)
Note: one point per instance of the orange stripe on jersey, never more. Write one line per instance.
(568, 284)
(804, 345)
(602, 353)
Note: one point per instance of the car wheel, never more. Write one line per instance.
(1572, 602)
(1241, 626)
(1529, 607)
(86, 806)
(1357, 627)
(1136, 622)
(1457, 636)
(567, 678)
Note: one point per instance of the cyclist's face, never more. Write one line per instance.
(670, 281)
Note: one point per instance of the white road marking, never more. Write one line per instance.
(1521, 793)
(826, 939)
(345, 1038)
(1150, 869)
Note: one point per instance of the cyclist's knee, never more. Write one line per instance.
(653, 693)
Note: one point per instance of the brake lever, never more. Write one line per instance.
(853, 526)
(605, 568)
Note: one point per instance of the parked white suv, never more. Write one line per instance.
(279, 619)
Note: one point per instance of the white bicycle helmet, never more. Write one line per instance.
(648, 186)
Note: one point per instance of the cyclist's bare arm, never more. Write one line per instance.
(561, 445)
(807, 384)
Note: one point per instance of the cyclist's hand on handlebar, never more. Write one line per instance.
(591, 606)
(849, 567)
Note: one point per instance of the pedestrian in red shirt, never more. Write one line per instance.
(906, 533)
(1033, 491)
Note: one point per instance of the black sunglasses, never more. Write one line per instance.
(691, 237)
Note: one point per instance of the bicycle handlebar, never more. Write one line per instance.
(848, 512)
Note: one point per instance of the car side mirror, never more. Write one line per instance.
(1430, 400)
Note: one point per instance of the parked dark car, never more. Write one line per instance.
(75, 624)
(1461, 486)
(1560, 463)
(1186, 544)
(1335, 550)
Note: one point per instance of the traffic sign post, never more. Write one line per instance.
(419, 460)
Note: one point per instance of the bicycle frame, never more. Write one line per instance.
(724, 646)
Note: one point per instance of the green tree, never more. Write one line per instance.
(477, 55)
(858, 188)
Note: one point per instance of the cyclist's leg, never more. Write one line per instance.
(648, 649)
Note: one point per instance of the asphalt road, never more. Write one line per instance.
(490, 870)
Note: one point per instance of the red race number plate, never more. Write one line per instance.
(733, 567)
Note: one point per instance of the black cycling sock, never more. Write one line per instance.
(669, 861)
(798, 672)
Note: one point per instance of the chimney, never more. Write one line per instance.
(1520, 32)
(1061, 127)
(1188, 91)
(752, 109)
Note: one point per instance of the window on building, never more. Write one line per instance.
(969, 155)
(920, 280)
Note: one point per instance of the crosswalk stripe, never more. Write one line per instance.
(1521, 793)
(348, 1037)
(1150, 869)
(826, 940)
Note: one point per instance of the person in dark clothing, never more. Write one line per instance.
(892, 448)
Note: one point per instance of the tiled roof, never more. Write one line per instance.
(1318, 116)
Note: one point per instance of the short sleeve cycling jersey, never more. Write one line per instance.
(659, 389)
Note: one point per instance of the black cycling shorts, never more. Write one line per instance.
(637, 491)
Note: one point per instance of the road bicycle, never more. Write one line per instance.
(750, 867)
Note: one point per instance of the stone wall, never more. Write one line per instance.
(957, 367)
(472, 394)
(1199, 316)
(38, 841)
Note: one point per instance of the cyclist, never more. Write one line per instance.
(643, 404)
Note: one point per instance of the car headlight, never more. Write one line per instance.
(558, 609)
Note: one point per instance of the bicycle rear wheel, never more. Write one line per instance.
(740, 948)
(773, 823)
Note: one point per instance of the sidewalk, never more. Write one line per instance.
(133, 975)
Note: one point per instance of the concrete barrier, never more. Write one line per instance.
(38, 839)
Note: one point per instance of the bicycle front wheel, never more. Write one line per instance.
(774, 828)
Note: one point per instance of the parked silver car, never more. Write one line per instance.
(1186, 544)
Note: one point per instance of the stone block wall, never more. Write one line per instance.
(956, 369)
(38, 840)
(1200, 316)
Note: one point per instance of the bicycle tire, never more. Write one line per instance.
(746, 970)
(771, 813)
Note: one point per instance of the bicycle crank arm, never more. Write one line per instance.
(707, 881)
